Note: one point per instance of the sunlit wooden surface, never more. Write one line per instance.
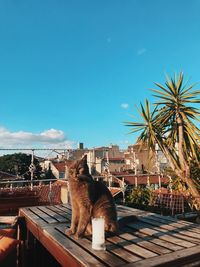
(145, 240)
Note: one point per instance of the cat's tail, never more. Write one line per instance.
(112, 227)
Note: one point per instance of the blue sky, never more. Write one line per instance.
(73, 70)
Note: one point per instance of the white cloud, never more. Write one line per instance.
(124, 105)
(48, 138)
(141, 51)
(53, 134)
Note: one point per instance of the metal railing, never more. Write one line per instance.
(46, 190)
(13, 182)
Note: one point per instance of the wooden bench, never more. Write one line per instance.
(11, 204)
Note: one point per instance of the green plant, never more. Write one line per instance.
(171, 126)
(139, 196)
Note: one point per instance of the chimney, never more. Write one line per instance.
(80, 146)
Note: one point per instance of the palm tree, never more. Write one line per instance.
(171, 126)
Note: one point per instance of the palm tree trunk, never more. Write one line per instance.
(183, 163)
(183, 175)
(184, 172)
(194, 192)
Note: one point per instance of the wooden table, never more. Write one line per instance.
(148, 240)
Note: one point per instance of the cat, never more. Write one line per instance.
(89, 199)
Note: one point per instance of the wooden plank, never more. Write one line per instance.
(155, 216)
(105, 256)
(7, 219)
(33, 222)
(130, 209)
(145, 244)
(194, 226)
(67, 252)
(123, 211)
(66, 206)
(149, 230)
(53, 214)
(33, 217)
(192, 264)
(173, 225)
(181, 237)
(175, 259)
(164, 235)
(60, 211)
(174, 220)
(158, 241)
(65, 215)
(116, 249)
(183, 234)
(66, 209)
(134, 248)
(43, 215)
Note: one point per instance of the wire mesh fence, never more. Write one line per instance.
(174, 202)
(11, 199)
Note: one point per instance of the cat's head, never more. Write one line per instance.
(79, 167)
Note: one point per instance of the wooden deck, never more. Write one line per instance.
(146, 240)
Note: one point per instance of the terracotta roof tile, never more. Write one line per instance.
(60, 166)
(142, 180)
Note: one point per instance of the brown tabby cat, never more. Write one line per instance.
(89, 199)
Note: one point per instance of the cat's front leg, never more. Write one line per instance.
(85, 217)
(74, 223)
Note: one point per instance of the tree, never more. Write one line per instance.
(171, 125)
(18, 164)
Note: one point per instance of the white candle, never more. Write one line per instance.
(98, 234)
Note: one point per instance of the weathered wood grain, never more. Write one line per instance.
(144, 239)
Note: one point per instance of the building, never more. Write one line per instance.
(154, 180)
(137, 159)
(114, 164)
(140, 159)
(57, 168)
(78, 153)
(100, 157)
(5, 176)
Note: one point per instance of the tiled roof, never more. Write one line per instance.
(60, 166)
(7, 176)
(115, 191)
(142, 180)
(114, 159)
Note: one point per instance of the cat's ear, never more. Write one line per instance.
(85, 169)
(84, 159)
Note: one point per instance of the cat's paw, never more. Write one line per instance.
(69, 232)
(78, 236)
